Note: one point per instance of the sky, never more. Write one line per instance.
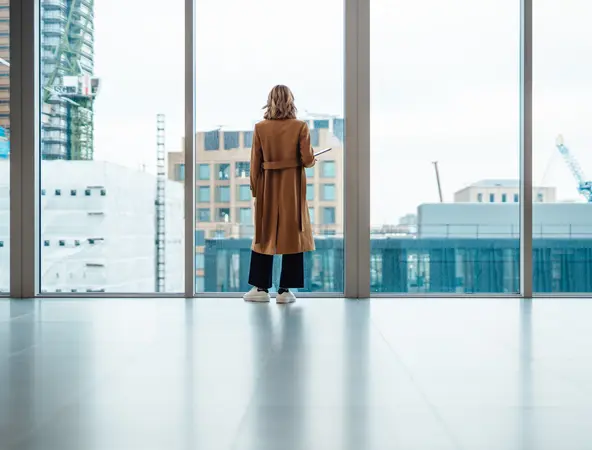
(444, 84)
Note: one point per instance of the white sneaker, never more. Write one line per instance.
(255, 295)
(285, 297)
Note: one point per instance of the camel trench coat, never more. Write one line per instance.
(281, 150)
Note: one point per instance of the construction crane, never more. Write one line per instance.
(69, 86)
(584, 186)
(435, 163)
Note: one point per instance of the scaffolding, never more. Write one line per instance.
(159, 203)
(69, 88)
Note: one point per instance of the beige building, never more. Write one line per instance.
(501, 191)
(4, 69)
(224, 205)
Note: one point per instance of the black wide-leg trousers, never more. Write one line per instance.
(261, 271)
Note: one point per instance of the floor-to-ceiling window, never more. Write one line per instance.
(242, 51)
(562, 147)
(111, 105)
(445, 147)
(4, 146)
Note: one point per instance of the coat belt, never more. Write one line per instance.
(276, 165)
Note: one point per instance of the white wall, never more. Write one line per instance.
(122, 259)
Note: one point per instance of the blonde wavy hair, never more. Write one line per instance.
(280, 104)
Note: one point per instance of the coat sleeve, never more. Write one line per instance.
(306, 151)
(256, 162)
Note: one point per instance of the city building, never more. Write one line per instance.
(98, 229)
(499, 221)
(68, 84)
(501, 191)
(224, 203)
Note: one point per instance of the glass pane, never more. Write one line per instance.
(112, 119)
(562, 143)
(4, 146)
(445, 146)
(328, 191)
(203, 172)
(244, 193)
(232, 84)
(310, 192)
(203, 214)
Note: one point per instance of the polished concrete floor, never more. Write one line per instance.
(433, 374)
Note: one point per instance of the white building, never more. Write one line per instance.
(501, 191)
(499, 220)
(98, 229)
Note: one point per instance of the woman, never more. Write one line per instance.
(280, 153)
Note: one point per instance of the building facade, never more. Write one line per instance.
(224, 203)
(98, 229)
(501, 191)
(68, 84)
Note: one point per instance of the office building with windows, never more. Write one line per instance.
(224, 203)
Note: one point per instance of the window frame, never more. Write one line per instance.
(25, 164)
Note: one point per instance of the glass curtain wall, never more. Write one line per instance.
(562, 143)
(445, 147)
(242, 51)
(112, 117)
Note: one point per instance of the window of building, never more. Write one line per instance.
(310, 192)
(248, 137)
(223, 194)
(231, 140)
(212, 140)
(223, 215)
(322, 124)
(242, 169)
(516, 198)
(491, 198)
(245, 216)
(203, 215)
(223, 171)
(540, 197)
(338, 129)
(328, 169)
(203, 172)
(244, 192)
(58, 192)
(203, 194)
(309, 172)
(180, 172)
(311, 215)
(328, 192)
(314, 137)
(504, 198)
(328, 216)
